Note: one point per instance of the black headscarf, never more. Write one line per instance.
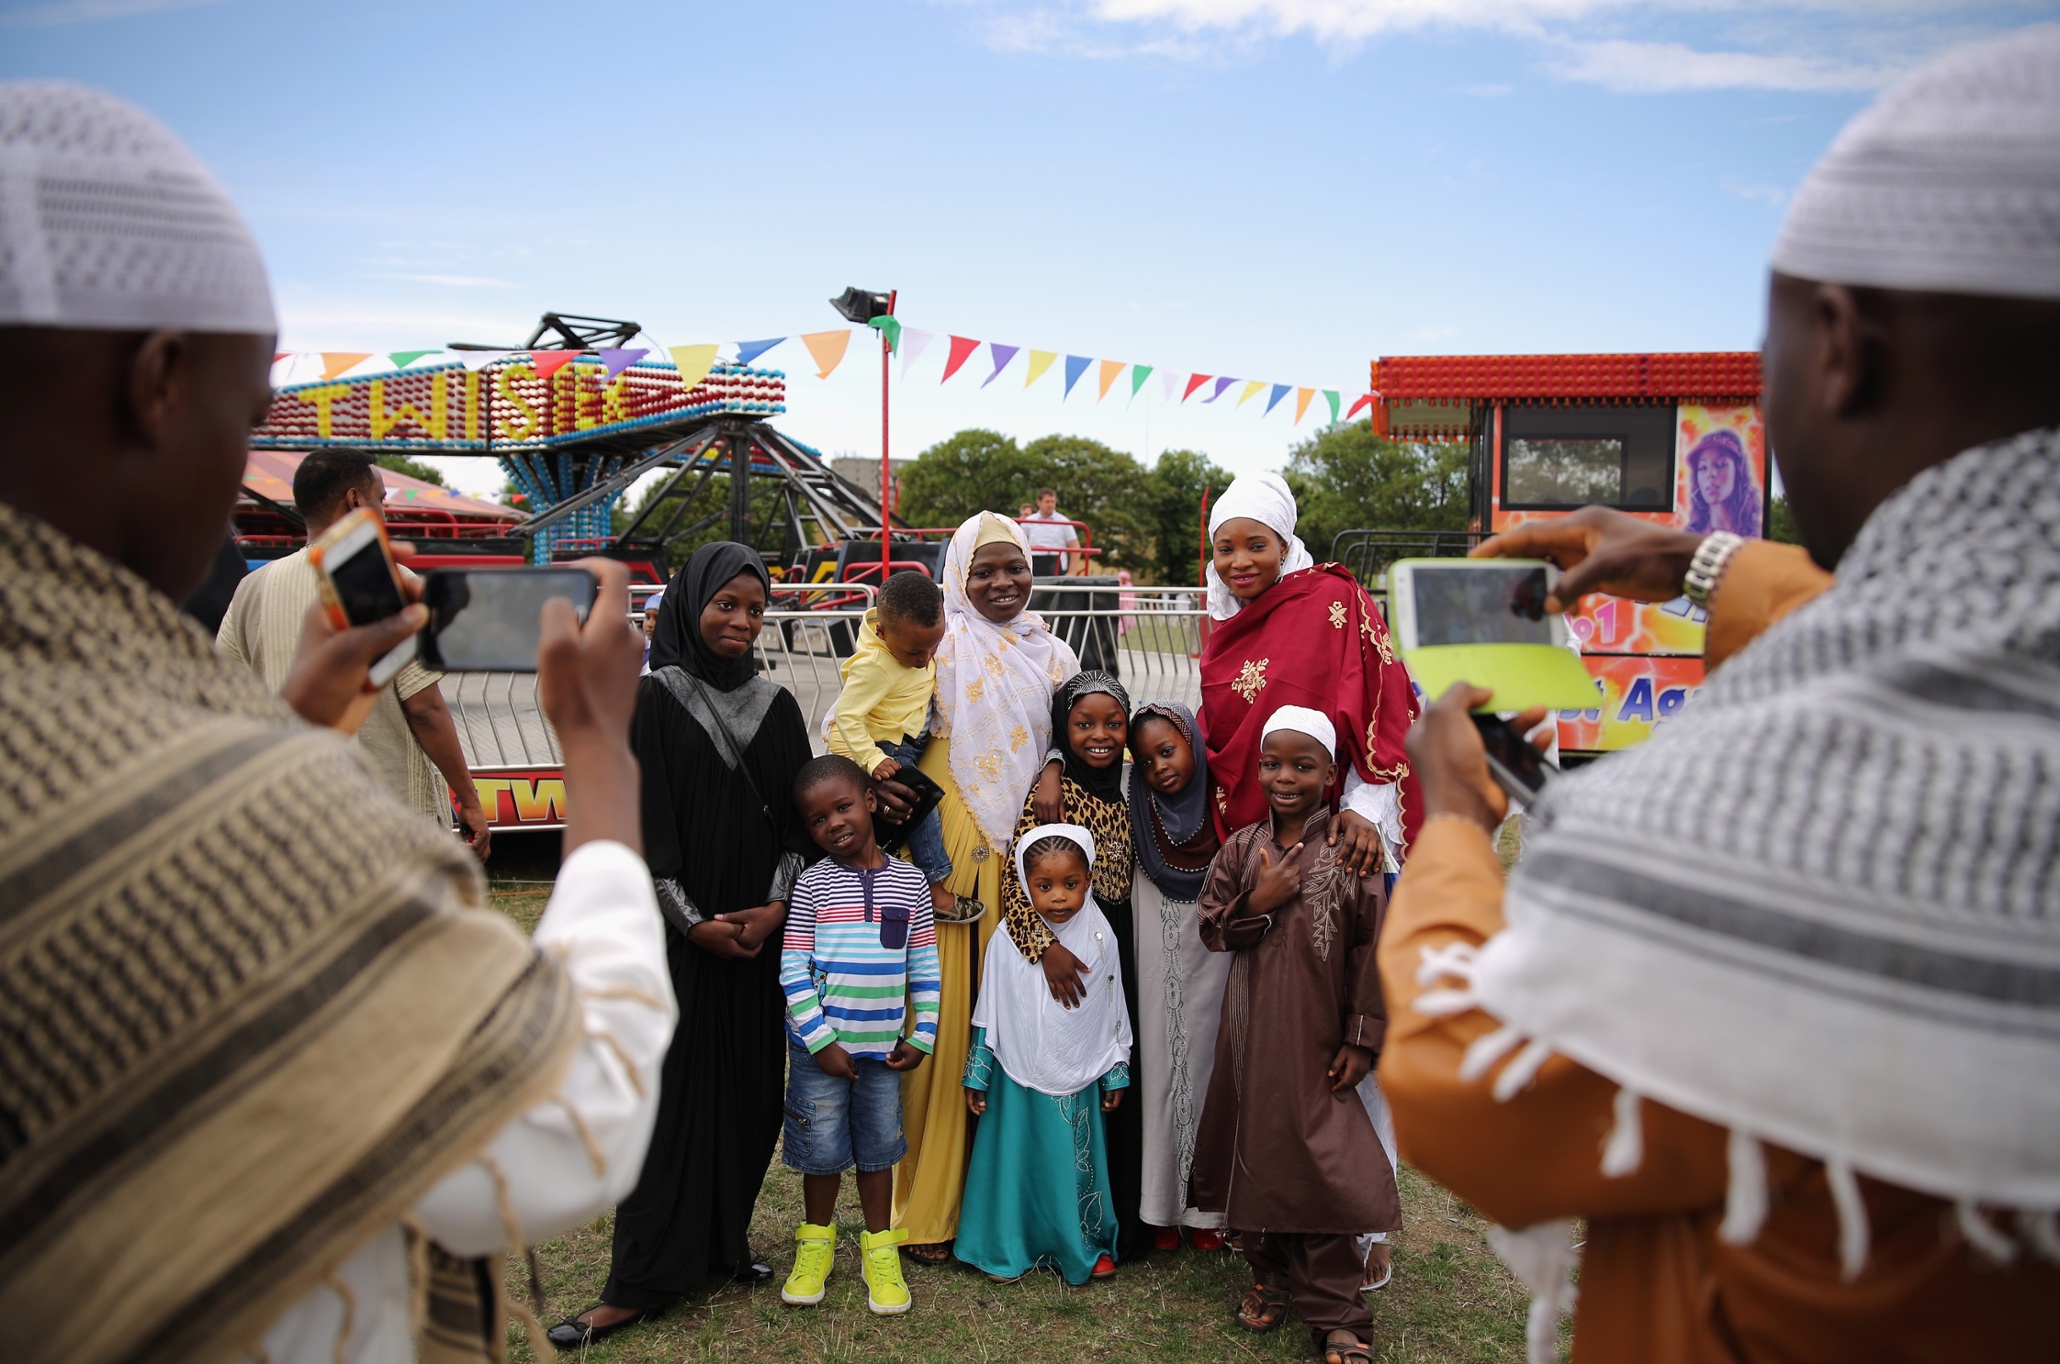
(1104, 783)
(1182, 819)
(677, 641)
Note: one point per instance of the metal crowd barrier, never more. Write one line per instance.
(1150, 637)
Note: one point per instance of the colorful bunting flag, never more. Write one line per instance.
(693, 363)
(279, 355)
(747, 351)
(335, 362)
(1002, 355)
(1040, 361)
(1279, 392)
(913, 343)
(1221, 384)
(962, 347)
(403, 358)
(615, 359)
(1138, 374)
(1194, 381)
(480, 359)
(1076, 365)
(1302, 397)
(889, 326)
(1366, 401)
(1110, 369)
(827, 349)
(549, 362)
(1253, 387)
(1169, 380)
(1330, 395)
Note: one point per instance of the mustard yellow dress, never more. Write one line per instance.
(931, 1179)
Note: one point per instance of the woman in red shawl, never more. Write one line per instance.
(1292, 632)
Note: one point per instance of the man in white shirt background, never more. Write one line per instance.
(1047, 530)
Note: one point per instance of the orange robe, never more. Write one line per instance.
(1656, 1284)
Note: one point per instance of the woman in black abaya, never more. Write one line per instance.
(724, 848)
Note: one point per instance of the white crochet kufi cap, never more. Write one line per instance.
(109, 222)
(1949, 183)
(1303, 720)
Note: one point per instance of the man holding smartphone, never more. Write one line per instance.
(409, 727)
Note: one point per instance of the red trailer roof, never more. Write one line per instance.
(1565, 378)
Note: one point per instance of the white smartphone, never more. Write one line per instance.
(1474, 601)
(359, 583)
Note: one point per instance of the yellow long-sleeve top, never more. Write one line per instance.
(882, 701)
(1657, 1285)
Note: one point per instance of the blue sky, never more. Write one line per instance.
(1269, 189)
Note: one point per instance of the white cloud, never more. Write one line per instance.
(456, 281)
(1354, 19)
(1648, 68)
(92, 11)
(1771, 195)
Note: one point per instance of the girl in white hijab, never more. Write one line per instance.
(1040, 1076)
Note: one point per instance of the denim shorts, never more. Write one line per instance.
(833, 1124)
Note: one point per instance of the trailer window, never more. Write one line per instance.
(1563, 457)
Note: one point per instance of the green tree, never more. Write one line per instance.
(413, 468)
(1099, 485)
(1173, 509)
(973, 471)
(1781, 523)
(1346, 478)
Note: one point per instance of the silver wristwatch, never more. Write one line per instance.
(1707, 566)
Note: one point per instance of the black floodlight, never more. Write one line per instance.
(862, 306)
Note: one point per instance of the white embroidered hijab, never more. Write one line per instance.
(1264, 498)
(1042, 1044)
(994, 689)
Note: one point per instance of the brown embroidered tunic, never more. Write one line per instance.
(1277, 1151)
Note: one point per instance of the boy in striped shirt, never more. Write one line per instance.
(860, 955)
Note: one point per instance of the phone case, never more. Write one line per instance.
(319, 551)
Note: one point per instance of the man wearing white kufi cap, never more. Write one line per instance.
(254, 1018)
(1773, 1000)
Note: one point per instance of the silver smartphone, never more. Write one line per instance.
(490, 620)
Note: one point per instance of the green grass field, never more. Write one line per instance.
(1450, 1300)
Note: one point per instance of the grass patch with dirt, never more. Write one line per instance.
(1451, 1300)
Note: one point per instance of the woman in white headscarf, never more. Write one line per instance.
(1289, 631)
(996, 671)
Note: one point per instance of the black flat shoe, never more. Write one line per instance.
(574, 1333)
(755, 1274)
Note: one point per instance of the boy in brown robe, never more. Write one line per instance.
(1285, 1147)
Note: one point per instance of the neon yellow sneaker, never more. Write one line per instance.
(880, 1262)
(815, 1250)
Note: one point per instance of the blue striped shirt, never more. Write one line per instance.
(842, 984)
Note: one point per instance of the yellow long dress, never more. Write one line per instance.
(931, 1178)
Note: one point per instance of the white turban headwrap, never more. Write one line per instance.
(1303, 720)
(1264, 498)
(109, 223)
(1949, 183)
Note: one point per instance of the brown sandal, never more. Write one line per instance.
(934, 1253)
(1263, 1309)
(1350, 1350)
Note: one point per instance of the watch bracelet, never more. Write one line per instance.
(1706, 568)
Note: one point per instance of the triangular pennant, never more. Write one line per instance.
(1076, 365)
(1279, 392)
(1040, 361)
(1330, 395)
(961, 348)
(913, 343)
(1194, 381)
(826, 349)
(403, 358)
(480, 359)
(279, 355)
(1169, 383)
(693, 363)
(1221, 384)
(747, 351)
(1110, 369)
(1002, 355)
(1302, 397)
(1365, 401)
(549, 362)
(335, 362)
(1253, 387)
(616, 359)
(889, 326)
(1138, 374)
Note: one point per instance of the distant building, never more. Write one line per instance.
(866, 474)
